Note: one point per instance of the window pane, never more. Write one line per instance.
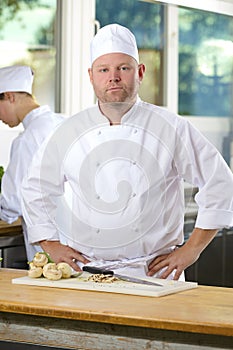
(205, 63)
(146, 21)
(27, 37)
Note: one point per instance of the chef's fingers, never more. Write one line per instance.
(177, 274)
(165, 262)
(166, 268)
(157, 261)
(75, 257)
(176, 271)
(74, 266)
(157, 266)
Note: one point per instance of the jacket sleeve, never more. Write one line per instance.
(202, 165)
(41, 189)
(10, 199)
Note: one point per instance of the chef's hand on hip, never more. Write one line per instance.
(175, 262)
(63, 253)
(179, 259)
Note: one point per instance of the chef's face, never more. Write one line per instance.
(116, 77)
(7, 110)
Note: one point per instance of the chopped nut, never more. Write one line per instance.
(101, 278)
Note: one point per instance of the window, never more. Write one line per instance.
(205, 63)
(27, 37)
(205, 83)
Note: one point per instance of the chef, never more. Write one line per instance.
(17, 105)
(126, 162)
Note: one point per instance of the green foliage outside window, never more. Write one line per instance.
(11, 7)
(14, 9)
(205, 63)
(1, 175)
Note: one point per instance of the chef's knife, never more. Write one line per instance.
(97, 270)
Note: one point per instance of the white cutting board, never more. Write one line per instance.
(122, 287)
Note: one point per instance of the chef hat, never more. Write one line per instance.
(16, 78)
(111, 39)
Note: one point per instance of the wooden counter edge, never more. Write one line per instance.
(55, 312)
(121, 320)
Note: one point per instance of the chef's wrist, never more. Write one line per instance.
(45, 244)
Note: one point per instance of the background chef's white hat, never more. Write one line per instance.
(16, 78)
(114, 38)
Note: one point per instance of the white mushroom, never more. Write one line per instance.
(65, 269)
(51, 272)
(34, 271)
(40, 259)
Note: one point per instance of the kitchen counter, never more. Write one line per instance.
(75, 319)
(10, 229)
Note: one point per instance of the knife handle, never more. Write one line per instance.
(97, 270)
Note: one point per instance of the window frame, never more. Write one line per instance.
(74, 90)
(223, 7)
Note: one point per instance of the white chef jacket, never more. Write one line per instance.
(37, 126)
(127, 185)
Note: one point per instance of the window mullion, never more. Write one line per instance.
(171, 55)
(77, 29)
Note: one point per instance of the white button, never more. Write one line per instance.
(98, 230)
(135, 131)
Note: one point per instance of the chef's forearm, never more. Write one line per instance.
(46, 244)
(200, 238)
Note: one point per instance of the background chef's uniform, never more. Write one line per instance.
(38, 124)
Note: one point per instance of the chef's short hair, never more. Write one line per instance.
(2, 94)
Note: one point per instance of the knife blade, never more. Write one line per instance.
(98, 270)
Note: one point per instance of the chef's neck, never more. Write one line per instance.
(114, 111)
(26, 109)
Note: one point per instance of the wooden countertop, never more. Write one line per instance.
(204, 310)
(10, 229)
